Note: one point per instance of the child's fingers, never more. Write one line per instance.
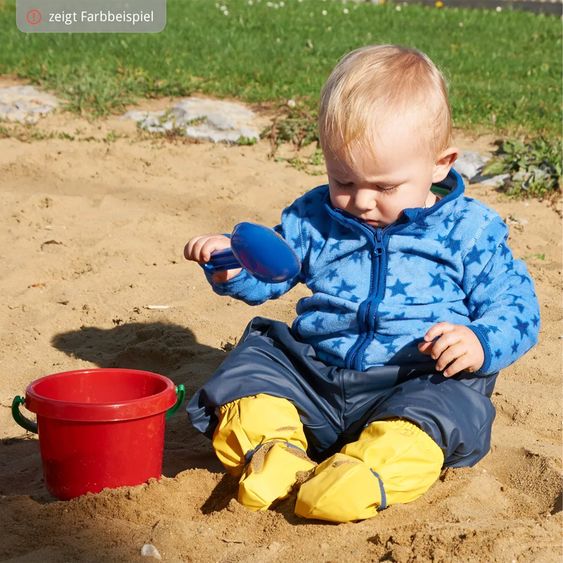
(200, 248)
(425, 347)
(462, 363)
(449, 355)
(445, 341)
(189, 252)
(213, 244)
(437, 330)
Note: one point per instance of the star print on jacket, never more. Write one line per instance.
(377, 291)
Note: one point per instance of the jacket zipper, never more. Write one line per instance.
(368, 309)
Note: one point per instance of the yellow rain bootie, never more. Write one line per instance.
(261, 440)
(271, 474)
(392, 462)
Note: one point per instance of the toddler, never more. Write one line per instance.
(416, 303)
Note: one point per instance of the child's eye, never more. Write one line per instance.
(344, 184)
(388, 189)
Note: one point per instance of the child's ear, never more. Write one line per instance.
(443, 163)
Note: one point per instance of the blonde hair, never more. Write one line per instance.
(371, 85)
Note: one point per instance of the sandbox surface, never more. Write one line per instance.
(91, 236)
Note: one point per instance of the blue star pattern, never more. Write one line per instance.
(486, 279)
(523, 278)
(331, 275)
(407, 256)
(343, 287)
(516, 302)
(318, 323)
(521, 326)
(446, 221)
(390, 347)
(475, 255)
(432, 319)
(437, 281)
(317, 245)
(399, 288)
(454, 245)
(336, 344)
(453, 265)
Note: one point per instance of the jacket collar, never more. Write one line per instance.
(452, 183)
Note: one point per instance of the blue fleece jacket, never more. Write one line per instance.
(377, 291)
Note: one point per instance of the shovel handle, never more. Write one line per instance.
(222, 260)
(24, 422)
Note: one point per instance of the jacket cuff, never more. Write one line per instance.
(481, 334)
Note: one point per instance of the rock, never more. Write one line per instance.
(25, 104)
(491, 181)
(149, 550)
(469, 164)
(202, 119)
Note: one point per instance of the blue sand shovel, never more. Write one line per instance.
(260, 251)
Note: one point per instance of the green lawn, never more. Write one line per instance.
(504, 68)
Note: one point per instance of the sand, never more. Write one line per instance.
(91, 235)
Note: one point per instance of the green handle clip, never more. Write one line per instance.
(181, 393)
(25, 423)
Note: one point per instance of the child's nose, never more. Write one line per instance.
(365, 200)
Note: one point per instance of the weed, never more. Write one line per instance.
(298, 126)
(534, 167)
(112, 136)
(312, 165)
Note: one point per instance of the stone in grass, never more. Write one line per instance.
(25, 104)
(201, 119)
(497, 181)
(469, 164)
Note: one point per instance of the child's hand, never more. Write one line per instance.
(199, 249)
(454, 347)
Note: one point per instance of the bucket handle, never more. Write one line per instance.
(181, 393)
(24, 422)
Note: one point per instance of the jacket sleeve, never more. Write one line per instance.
(246, 287)
(502, 303)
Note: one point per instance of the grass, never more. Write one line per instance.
(504, 68)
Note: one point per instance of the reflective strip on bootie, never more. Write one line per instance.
(405, 457)
(247, 423)
(272, 471)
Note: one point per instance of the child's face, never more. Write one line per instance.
(377, 187)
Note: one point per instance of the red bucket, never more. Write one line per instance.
(99, 428)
